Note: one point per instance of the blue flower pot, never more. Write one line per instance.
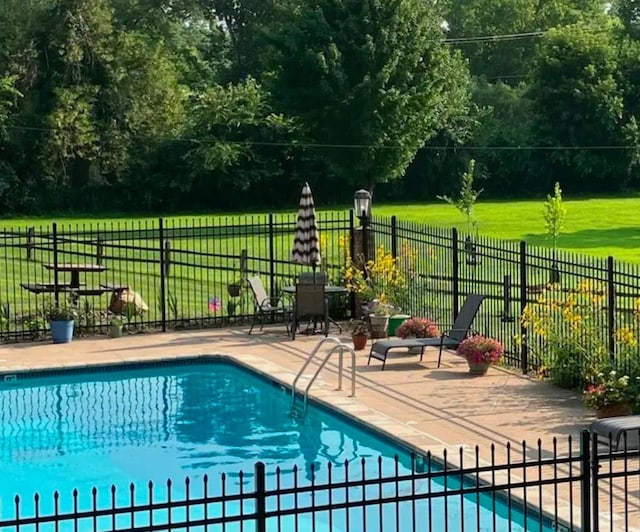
(62, 331)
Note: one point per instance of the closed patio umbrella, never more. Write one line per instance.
(306, 244)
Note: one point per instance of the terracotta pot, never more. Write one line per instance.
(614, 410)
(478, 368)
(359, 341)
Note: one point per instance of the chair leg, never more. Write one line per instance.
(294, 326)
(253, 323)
(440, 354)
(261, 321)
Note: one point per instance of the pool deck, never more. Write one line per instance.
(430, 408)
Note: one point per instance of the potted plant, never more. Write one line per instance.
(359, 334)
(480, 352)
(61, 317)
(379, 318)
(235, 288)
(418, 328)
(116, 326)
(610, 396)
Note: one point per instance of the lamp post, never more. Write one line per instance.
(362, 208)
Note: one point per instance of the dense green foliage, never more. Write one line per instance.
(165, 105)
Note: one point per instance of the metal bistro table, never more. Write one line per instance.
(74, 287)
(329, 289)
(75, 270)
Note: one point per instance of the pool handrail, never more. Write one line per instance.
(340, 346)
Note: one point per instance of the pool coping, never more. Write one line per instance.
(347, 406)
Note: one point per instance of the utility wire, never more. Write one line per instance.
(508, 36)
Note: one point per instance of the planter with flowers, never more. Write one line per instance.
(378, 314)
(480, 352)
(418, 328)
(61, 316)
(610, 396)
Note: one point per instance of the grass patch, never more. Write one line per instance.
(599, 227)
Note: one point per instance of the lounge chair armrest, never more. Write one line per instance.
(274, 302)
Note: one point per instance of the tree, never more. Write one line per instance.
(466, 201)
(629, 13)
(554, 213)
(368, 83)
(578, 105)
(509, 58)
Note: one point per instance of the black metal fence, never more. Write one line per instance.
(586, 487)
(181, 266)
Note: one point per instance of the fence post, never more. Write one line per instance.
(524, 348)
(99, 250)
(593, 478)
(611, 308)
(163, 269)
(506, 300)
(272, 266)
(54, 232)
(352, 296)
(455, 261)
(261, 506)
(394, 236)
(167, 257)
(31, 236)
(585, 480)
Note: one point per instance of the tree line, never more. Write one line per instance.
(174, 105)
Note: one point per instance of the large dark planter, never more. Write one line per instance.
(62, 331)
(614, 410)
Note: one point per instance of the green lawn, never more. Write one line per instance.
(599, 227)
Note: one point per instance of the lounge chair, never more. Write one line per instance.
(449, 338)
(265, 305)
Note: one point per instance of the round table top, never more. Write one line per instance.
(328, 288)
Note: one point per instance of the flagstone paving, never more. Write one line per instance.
(429, 408)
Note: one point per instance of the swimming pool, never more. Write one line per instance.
(139, 424)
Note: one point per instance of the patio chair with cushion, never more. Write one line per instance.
(311, 304)
(313, 278)
(266, 306)
(449, 338)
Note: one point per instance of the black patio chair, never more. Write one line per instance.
(313, 278)
(311, 304)
(449, 338)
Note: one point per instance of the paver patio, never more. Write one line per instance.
(429, 408)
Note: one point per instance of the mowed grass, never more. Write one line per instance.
(599, 227)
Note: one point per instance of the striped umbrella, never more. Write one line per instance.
(306, 244)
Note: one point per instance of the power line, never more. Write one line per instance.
(509, 36)
(313, 145)
(498, 37)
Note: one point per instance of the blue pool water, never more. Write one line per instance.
(149, 424)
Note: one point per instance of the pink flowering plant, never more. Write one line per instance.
(609, 389)
(479, 349)
(418, 328)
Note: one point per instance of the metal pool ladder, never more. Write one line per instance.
(340, 347)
